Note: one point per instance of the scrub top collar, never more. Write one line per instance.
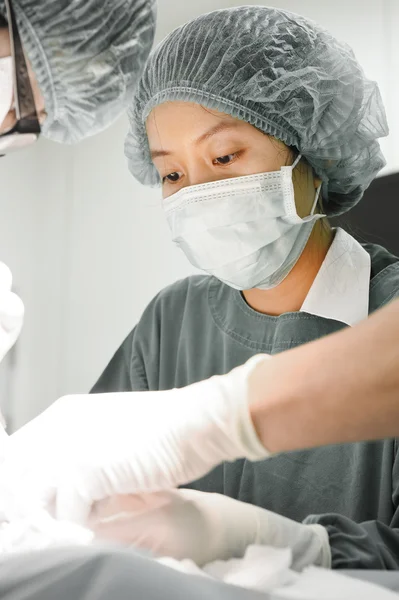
(342, 285)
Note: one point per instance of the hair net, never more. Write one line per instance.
(87, 56)
(283, 74)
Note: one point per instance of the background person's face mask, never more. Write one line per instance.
(6, 87)
(245, 230)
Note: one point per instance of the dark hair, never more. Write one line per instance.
(3, 22)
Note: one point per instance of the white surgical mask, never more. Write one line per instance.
(6, 87)
(244, 230)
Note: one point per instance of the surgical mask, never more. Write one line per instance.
(244, 230)
(6, 87)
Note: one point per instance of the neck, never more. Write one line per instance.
(291, 293)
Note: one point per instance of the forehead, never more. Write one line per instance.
(188, 121)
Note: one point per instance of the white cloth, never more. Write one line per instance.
(262, 568)
(37, 531)
(268, 569)
(26, 526)
(341, 288)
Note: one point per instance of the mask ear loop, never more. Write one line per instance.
(318, 190)
(296, 161)
(316, 200)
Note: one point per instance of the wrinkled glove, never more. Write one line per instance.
(11, 312)
(89, 447)
(205, 527)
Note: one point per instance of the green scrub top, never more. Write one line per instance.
(199, 327)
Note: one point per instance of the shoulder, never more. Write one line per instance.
(175, 296)
(384, 284)
(189, 287)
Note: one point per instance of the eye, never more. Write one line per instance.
(172, 177)
(225, 160)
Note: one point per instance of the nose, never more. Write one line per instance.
(200, 171)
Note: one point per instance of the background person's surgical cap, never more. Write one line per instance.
(283, 74)
(87, 56)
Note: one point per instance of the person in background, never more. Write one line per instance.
(67, 71)
(77, 61)
(259, 125)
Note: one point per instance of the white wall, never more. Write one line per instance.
(35, 186)
(89, 246)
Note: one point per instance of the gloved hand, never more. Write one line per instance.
(11, 312)
(11, 320)
(89, 447)
(205, 527)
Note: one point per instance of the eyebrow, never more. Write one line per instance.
(221, 126)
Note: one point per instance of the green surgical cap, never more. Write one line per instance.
(279, 72)
(87, 56)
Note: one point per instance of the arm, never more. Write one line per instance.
(371, 544)
(343, 388)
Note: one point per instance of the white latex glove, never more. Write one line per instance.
(11, 312)
(11, 320)
(90, 447)
(205, 527)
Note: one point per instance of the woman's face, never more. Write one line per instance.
(192, 145)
